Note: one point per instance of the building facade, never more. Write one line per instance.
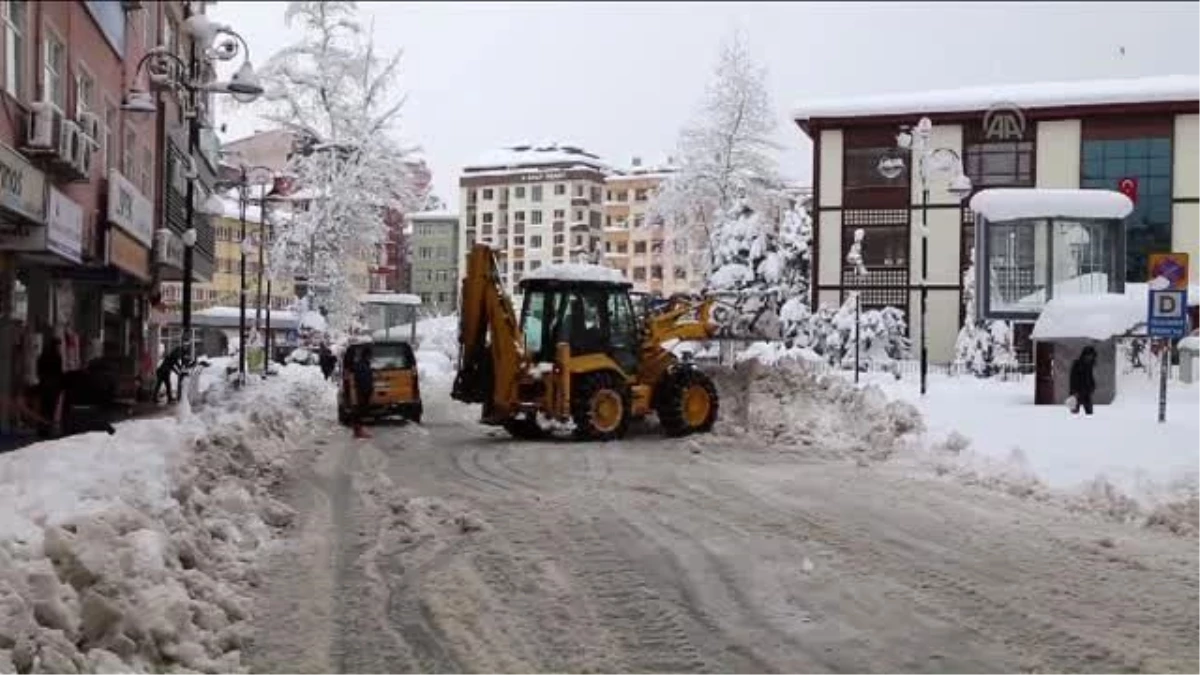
(82, 181)
(1057, 135)
(435, 252)
(656, 261)
(535, 205)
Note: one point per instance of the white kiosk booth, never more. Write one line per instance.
(387, 310)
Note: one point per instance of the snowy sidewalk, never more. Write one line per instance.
(133, 551)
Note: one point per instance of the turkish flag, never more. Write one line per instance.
(1129, 188)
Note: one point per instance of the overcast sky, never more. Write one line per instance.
(622, 78)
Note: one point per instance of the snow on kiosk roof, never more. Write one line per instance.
(1164, 88)
(576, 272)
(1089, 317)
(390, 299)
(1001, 204)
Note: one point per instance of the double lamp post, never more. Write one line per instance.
(928, 162)
(210, 42)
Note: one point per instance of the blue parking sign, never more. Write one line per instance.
(1167, 316)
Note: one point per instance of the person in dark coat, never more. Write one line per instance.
(1083, 379)
(162, 375)
(364, 385)
(50, 383)
(327, 360)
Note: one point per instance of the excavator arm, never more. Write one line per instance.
(490, 345)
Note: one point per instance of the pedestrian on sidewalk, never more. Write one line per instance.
(327, 360)
(50, 380)
(162, 375)
(1083, 380)
(364, 385)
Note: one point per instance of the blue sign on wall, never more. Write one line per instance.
(1167, 317)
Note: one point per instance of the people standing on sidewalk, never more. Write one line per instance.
(1083, 380)
(364, 386)
(50, 379)
(327, 360)
(162, 375)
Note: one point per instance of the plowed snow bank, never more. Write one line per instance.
(142, 557)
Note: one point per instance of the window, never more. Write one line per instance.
(579, 240)
(560, 239)
(639, 247)
(622, 195)
(883, 246)
(639, 220)
(518, 265)
(428, 275)
(443, 252)
(15, 12)
(535, 217)
(641, 195)
(472, 196)
(680, 273)
(560, 189)
(680, 246)
(656, 272)
(425, 252)
(559, 214)
(1148, 160)
(487, 218)
(519, 217)
(578, 216)
(518, 240)
(127, 167)
(639, 274)
(865, 185)
(596, 192)
(535, 193)
(54, 69)
(110, 136)
(443, 275)
(535, 241)
(622, 247)
(594, 220)
(488, 194)
(519, 192)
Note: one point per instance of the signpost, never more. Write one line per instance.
(1167, 312)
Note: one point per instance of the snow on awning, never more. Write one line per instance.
(389, 299)
(1027, 95)
(1090, 317)
(1001, 204)
(576, 272)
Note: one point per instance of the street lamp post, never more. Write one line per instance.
(170, 71)
(242, 185)
(930, 160)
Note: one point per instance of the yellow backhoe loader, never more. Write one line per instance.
(579, 353)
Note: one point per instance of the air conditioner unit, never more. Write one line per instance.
(89, 125)
(67, 141)
(81, 160)
(45, 127)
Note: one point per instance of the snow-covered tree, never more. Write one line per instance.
(725, 162)
(794, 251)
(337, 94)
(983, 348)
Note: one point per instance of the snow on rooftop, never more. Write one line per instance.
(1026, 95)
(1092, 317)
(1000, 204)
(532, 155)
(433, 215)
(576, 272)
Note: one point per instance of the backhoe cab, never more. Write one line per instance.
(578, 353)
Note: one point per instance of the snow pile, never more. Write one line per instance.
(576, 272)
(135, 552)
(792, 404)
(1095, 317)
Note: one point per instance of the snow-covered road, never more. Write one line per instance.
(450, 547)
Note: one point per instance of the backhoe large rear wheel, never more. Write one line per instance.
(600, 407)
(688, 403)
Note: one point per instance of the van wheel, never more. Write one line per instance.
(600, 407)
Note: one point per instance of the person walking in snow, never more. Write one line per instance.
(364, 385)
(50, 384)
(1083, 380)
(171, 363)
(327, 360)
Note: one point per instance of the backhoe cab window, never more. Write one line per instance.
(533, 322)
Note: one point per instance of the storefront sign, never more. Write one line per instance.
(128, 255)
(22, 187)
(129, 210)
(168, 248)
(61, 235)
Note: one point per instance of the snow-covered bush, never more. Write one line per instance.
(982, 347)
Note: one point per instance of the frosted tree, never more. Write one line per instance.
(982, 348)
(725, 155)
(338, 96)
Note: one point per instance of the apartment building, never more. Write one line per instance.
(84, 232)
(1140, 133)
(656, 261)
(435, 252)
(535, 205)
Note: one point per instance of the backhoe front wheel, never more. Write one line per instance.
(600, 407)
(689, 403)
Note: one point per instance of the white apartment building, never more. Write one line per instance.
(655, 259)
(535, 205)
(1102, 134)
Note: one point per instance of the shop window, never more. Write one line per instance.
(885, 246)
(1000, 164)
